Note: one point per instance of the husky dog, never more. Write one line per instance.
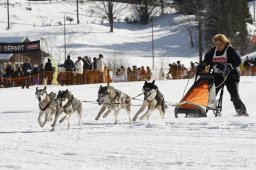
(153, 99)
(112, 99)
(69, 104)
(48, 105)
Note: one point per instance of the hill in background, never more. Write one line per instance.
(132, 42)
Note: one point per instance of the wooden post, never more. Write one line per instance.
(108, 77)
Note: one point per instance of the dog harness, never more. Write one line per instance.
(68, 103)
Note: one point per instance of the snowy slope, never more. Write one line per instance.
(90, 37)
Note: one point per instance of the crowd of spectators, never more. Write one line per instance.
(179, 71)
(131, 74)
(248, 67)
(24, 71)
(94, 70)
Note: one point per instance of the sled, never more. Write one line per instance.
(201, 97)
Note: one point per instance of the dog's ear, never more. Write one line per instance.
(153, 82)
(100, 86)
(66, 90)
(44, 87)
(145, 82)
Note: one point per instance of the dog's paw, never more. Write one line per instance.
(142, 117)
(96, 118)
(105, 115)
(134, 119)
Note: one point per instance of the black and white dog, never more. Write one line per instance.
(69, 104)
(153, 99)
(48, 105)
(112, 99)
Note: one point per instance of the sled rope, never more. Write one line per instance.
(134, 98)
(225, 78)
(88, 101)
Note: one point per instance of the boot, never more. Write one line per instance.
(241, 112)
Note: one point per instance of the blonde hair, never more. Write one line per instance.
(222, 38)
(27, 59)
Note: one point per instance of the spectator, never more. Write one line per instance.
(122, 71)
(149, 73)
(170, 72)
(161, 74)
(8, 70)
(27, 68)
(100, 63)
(68, 77)
(41, 68)
(143, 73)
(134, 73)
(79, 65)
(87, 63)
(17, 74)
(118, 72)
(35, 75)
(69, 64)
(178, 70)
(48, 66)
(129, 74)
(184, 72)
(94, 63)
(138, 74)
(192, 70)
(247, 66)
(247, 62)
(79, 70)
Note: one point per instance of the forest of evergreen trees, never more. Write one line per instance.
(228, 17)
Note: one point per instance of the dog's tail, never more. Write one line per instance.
(164, 105)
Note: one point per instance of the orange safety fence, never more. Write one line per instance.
(253, 70)
(63, 78)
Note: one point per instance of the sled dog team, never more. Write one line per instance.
(52, 105)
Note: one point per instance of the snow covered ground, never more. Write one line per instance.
(226, 142)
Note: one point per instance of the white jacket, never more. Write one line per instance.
(100, 64)
(79, 67)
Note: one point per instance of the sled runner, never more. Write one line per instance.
(201, 97)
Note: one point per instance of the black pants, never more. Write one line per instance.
(232, 87)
